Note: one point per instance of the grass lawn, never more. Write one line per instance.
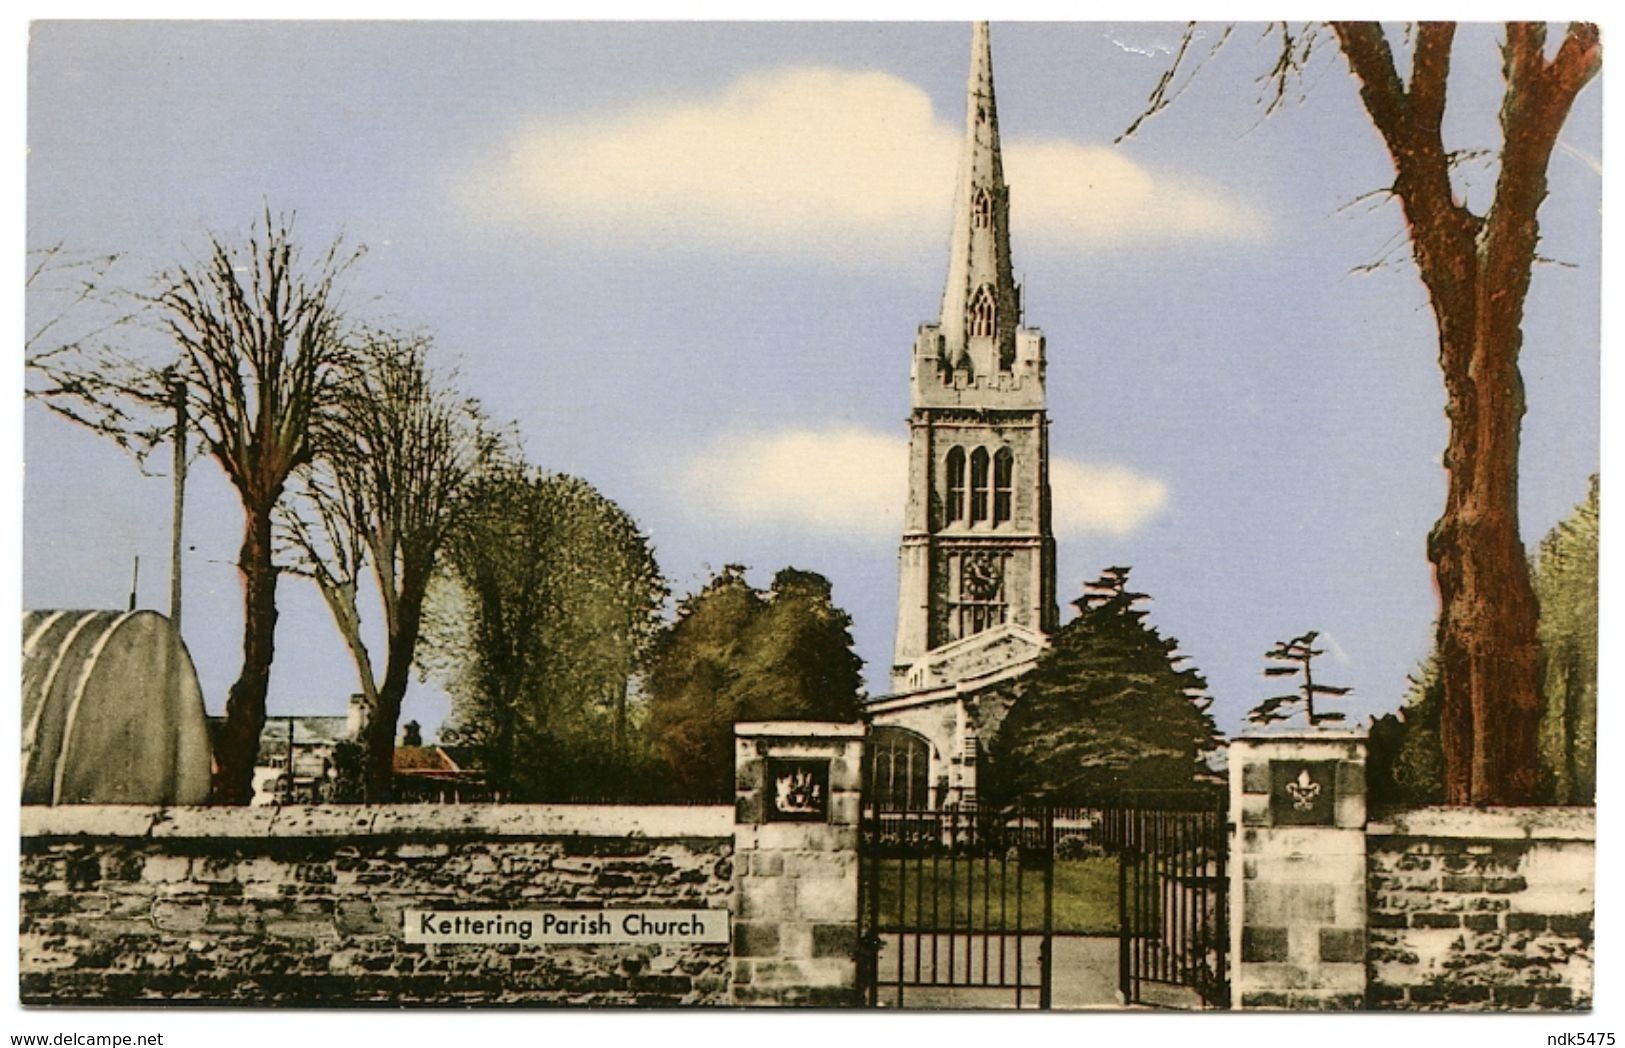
(1085, 900)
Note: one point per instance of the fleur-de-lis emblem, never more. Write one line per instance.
(1303, 791)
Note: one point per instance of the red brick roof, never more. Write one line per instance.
(419, 759)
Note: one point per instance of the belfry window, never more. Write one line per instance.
(955, 509)
(1003, 466)
(978, 486)
(981, 311)
(981, 209)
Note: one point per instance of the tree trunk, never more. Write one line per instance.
(1489, 654)
(391, 693)
(237, 747)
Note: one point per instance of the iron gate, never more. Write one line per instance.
(957, 907)
(1172, 891)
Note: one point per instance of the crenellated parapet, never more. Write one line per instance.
(937, 383)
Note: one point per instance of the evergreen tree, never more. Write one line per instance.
(1108, 708)
(691, 684)
(1297, 659)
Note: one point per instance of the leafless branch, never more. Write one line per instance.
(1381, 196)
(1169, 87)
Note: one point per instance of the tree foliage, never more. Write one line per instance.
(1476, 269)
(548, 602)
(736, 653)
(258, 341)
(1404, 757)
(395, 461)
(1110, 707)
(1295, 658)
(1566, 582)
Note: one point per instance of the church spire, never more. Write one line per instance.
(980, 304)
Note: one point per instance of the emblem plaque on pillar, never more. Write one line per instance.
(1303, 793)
(797, 790)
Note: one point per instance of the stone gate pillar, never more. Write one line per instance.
(1298, 871)
(795, 899)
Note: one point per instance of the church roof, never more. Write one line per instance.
(993, 656)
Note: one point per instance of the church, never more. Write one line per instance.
(976, 592)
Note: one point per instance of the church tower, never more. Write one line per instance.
(978, 554)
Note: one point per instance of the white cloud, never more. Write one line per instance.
(1111, 500)
(849, 481)
(848, 164)
(853, 482)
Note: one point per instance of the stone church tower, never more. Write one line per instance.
(976, 594)
(977, 552)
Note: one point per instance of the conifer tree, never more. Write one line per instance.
(1298, 656)
(1110, 707)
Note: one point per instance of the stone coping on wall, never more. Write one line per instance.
(1541, 824)
(1299, 735)
(799, 729)
(665, 822)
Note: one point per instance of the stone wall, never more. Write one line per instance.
(304, 905)
(1482, 910)
(796, 882)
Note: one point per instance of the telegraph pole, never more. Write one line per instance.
(178, 390)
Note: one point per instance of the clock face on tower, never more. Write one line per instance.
(982, 576)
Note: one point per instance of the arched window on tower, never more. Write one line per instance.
(978, 486)
(1003, 467)
(981, 311)
(955, 509)
(981, 209)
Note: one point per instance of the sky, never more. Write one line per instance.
(688, 261)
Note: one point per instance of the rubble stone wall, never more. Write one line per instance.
(1482, 910)
(122, 905)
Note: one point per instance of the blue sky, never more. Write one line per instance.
(688, 261)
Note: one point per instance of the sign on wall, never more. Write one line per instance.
(1303, 793)
(797, 790)
(566, 926)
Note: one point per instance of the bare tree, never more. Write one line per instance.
(85, 302)
(1476, 268)
(259, 346)
(395, 461)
